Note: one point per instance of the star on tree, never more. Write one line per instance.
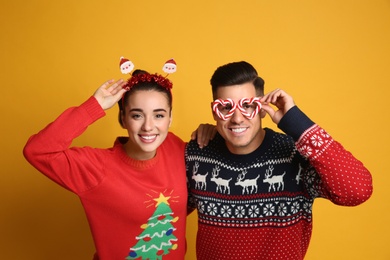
(162, 199)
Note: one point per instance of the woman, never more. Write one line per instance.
(134, 194)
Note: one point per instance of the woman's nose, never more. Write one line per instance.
(148, 124)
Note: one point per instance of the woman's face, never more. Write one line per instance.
(147, 117)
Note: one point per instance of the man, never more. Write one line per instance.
(254, 188)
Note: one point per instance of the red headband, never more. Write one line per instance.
(144, 77)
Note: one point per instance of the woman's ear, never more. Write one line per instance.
(121, 119)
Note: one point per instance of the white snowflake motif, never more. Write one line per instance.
(226, 211)
(306, 150)
(311, 177)
(307, 207)
(282, 209)
(254, 211)
(212, 209)
(295, 207)
(324, 134)
(239, 212)
(201, 207)
(269, 209)
(317, 141)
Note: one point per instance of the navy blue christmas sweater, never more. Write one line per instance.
(259, 205)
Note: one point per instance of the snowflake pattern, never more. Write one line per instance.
(240, 211)
(269, 209)
(307, 207)
(306, 150)
(282, 209)
(295, 207)
(324, 134)
(316, 141)
(226, 211)
(212, 209)
(254, 211)
(311, 176)
(201, 206)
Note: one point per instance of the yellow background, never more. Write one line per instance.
(332, 56)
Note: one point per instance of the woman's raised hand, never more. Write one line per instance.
(110, 93)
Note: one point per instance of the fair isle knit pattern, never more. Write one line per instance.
(259, 205)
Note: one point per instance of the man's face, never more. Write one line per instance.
(242, 135)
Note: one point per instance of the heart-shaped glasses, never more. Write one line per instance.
(225, 109)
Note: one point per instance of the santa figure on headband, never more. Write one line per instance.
(169, 66)
(126, 65)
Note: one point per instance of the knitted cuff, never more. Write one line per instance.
(313, 142)
(294, 123)
(93, 109)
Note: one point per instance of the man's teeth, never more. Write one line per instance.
(238, 130)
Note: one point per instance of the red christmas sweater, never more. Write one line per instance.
(259, 205)
(136, 209)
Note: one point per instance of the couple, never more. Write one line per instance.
(253, 188)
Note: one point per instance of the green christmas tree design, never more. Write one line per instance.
(157, 239)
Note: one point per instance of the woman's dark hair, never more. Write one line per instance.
(236, 73)
(142, 86)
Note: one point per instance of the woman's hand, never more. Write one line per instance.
(110, 93)
(204, 133)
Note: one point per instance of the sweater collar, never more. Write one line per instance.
(139, 164)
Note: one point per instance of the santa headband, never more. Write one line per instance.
(127, 66)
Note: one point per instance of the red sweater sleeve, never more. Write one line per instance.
(49, 150)
(344, 179)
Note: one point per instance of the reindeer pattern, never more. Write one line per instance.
(245, 184)
(273, 180)
(274, 186)
(200, 180)
(264, 179)
(220, 182)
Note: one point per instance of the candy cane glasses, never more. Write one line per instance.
(225, 109)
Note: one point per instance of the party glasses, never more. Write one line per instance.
(225, 109)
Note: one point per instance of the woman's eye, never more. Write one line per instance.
(136, 116)
(160, 116)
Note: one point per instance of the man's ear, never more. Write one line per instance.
(212, 112)
(263, 113)
(216, 118)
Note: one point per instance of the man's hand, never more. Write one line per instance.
(280, 100)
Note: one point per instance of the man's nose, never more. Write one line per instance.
(237, 116)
